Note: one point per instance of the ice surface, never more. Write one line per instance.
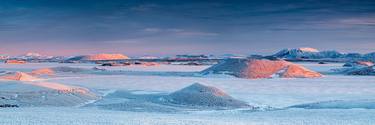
(137, 84)
(89, 116)
(339, 104)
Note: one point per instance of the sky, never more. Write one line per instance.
(169, 27)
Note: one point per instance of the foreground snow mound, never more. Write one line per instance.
(261, 68)
(196, 97)
(339, 104)
(18, 76)
(22, 89)
(207, 96)
(27, 93)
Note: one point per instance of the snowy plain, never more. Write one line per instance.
(279, 93)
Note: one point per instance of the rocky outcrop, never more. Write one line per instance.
(15, 62)
(359, 64)
(361, 71)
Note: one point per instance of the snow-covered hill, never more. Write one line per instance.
(194, 97)
(261, 68)
(99, 57)
(206, 96)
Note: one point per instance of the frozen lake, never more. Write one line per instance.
(279, 93)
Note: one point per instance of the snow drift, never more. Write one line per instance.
(18, 76)
(261, 68)
(26, 94)
(207, 96)
(52, 71)
(34, 81)
(339, 104)
(22, 89)
(43, 71)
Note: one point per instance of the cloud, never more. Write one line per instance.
(181, 32)
(196, 33)
(128, 41)
(358, 21)
(144, 7)
(152, 29)
(5, 27)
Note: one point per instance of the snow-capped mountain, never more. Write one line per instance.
(149, 57)
(31, 55)
(369, 56)
(37, 57)
(311, 53)
(3, 57)
(307, 49)
(307, 53)
(228, 56)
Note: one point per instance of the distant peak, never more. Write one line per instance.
(307, 49)
(33, 54)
